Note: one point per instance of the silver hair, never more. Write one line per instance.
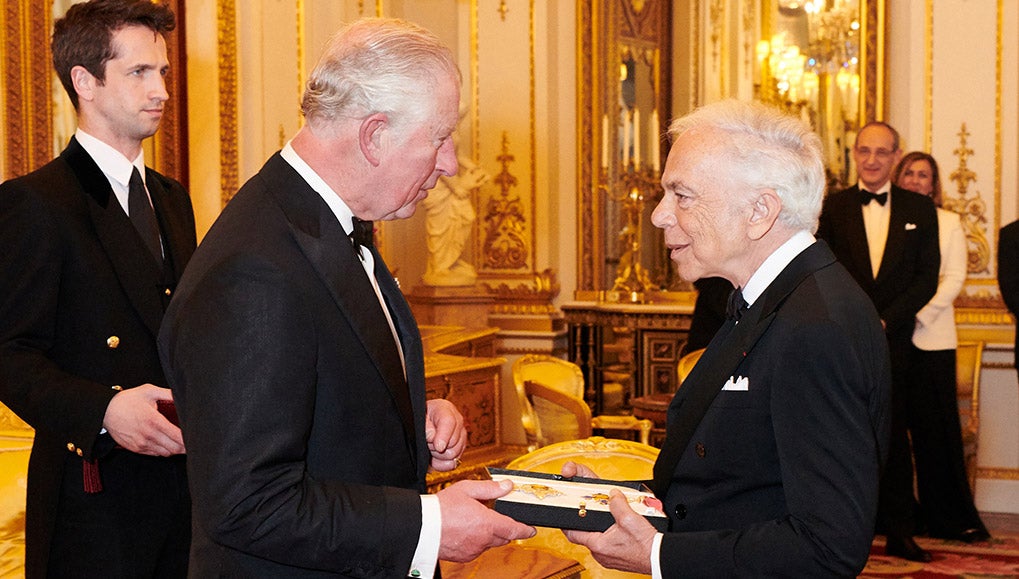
(770, 150)
(378, 65)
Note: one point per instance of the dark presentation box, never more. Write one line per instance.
(548, 500)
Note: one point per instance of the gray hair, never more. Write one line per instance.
(377, 65)
(770, 150)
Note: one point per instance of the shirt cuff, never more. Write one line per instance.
(426, 556)
(656, 560)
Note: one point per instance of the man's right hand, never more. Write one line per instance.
(135, 424)
(469, 527)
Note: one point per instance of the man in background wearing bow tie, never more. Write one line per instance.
(296, 363)
(887, 238)
(773, 449)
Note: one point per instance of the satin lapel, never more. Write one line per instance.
(896, 239)
(138, 274)
(688, 405)
(856, 232)
(328, 249)
(410, 340)
(722, 358)
(178, 242)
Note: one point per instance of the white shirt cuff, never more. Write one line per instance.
(656, 560)
(426, 556)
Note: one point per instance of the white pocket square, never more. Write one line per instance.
(740, 384)
(910, 226)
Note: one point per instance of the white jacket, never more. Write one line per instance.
(935, 323)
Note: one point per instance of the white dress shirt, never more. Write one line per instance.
(875, 221)
(114, 165)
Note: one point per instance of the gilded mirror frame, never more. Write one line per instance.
(595, 40)
(27, 77)
(608, 32)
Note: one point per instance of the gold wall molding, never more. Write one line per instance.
(505, 245)
(998, 71)
(969, 311)
(535, 298)
(588, 44)
(532, 109)
(998, 473)
(928, 76)
(475, 89)
(506, 238)
(226, 15)
(749, 19)
(716, 15)
(27, 75)
(873, 57)
(972, 209)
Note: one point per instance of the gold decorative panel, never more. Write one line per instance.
(505, 245)
(971, 208)
(226, 15)
(624, 62)
(27, 84)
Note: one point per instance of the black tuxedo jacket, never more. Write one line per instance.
(74, 274)
(781, 477)
(908, 276)
(1008, 271)
(306, 450)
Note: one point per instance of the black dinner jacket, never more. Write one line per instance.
(782, 477)
(1008, 271)
(306, 450)
(908, 276)
(74, 273)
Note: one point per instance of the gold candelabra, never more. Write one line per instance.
(635, 184)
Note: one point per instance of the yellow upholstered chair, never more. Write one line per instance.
(686, 364)
(610, 459)
(15, 447)
(552, 406)
(968, 360)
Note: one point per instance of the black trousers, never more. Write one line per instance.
(139, 525)
(946, 500)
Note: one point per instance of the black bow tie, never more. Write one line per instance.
(736, 306)
(866, 197)
(362, 235)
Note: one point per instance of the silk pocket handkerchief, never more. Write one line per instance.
(737, 384)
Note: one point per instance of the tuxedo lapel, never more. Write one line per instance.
(139, 275)
(722, 359)
(328, 249)
(172, 228)
(896, 239)
(410, 341)
(856, 233)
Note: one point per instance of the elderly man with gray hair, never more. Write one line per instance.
(295, 362)
(775, 442)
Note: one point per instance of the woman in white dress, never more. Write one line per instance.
(946, 500)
